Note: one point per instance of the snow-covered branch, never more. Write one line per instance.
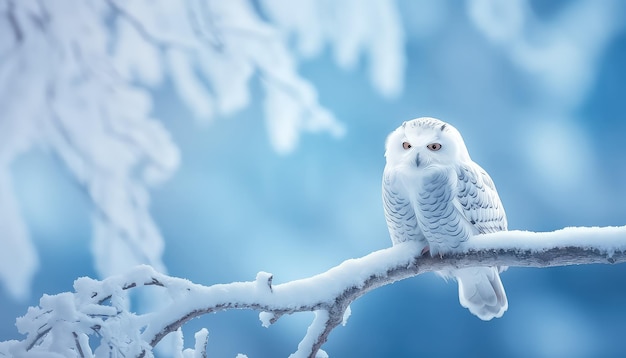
(63, 323)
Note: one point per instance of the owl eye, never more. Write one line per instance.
(434, 146)
(406, 145)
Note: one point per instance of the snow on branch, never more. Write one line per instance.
(63, 323)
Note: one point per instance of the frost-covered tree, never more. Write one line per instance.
(76, 79)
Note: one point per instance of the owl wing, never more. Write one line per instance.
(478, 200)
(454, 204)
(480, 288)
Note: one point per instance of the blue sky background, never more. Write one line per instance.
(236, 207)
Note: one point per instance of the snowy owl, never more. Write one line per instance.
(435, 194)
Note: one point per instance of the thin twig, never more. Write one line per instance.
(143, 31)
(79, 348)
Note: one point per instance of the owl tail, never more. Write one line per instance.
(481, 291)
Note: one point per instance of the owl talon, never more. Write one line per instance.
(425, 250)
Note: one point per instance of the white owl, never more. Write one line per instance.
(435, 194)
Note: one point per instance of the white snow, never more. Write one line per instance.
(18, 258)
(199, 350)
(346, 315)
(351, 30)
(266, 318)
(264, 282)
(606, 239)
(321, 354)
(314, 330)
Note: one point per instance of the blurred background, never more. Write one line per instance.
(536, 88)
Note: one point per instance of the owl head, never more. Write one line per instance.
(424, 142)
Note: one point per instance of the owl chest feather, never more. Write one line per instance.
(422, 207)
(441, 222)
(399, 212)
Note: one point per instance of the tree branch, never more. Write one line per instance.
(17, 30)
(153, 39)
(328, 294)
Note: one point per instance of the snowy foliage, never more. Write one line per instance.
(76, 80)
(564, 59)
(97, 321)
(561, 56)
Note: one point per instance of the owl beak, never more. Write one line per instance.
(417, 160)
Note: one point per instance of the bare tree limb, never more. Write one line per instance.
(329, 294)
